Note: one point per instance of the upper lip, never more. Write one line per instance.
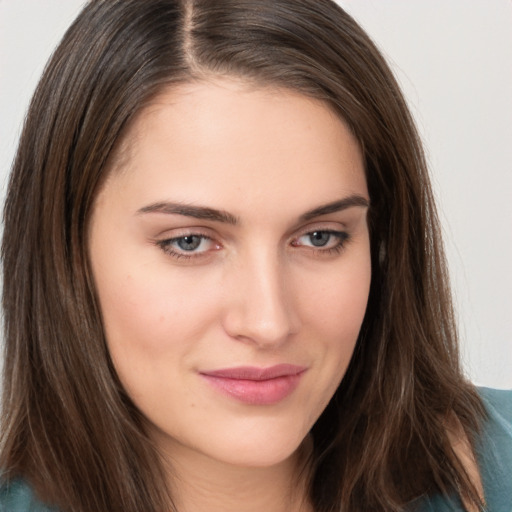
(255, 373)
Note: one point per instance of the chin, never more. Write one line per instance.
(262, 451)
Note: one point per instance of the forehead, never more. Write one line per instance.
(225, 136)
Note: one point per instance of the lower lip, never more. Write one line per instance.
(256, 392)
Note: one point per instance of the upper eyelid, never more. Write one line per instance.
(185, 235)
(174, 239)
(312, 229)
(207, 232)
(320, 226)
(342, 236)
(324, 230)
(174, 233)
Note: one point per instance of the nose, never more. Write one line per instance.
(260, 307)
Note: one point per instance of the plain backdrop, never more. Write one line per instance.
(453, 59)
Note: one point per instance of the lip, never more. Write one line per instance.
(256, 386)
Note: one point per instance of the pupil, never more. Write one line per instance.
(319, 238)
(189, 243)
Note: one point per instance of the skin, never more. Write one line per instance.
(255, 291)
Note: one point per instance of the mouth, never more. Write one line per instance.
(256, 386)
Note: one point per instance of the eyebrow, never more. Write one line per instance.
(336, 206)
(206, 213)
(188, 210)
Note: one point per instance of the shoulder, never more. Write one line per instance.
(17, 496)
(498, 403)
(493, 453)
(494, 449)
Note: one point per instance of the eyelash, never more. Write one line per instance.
(166, 246)
(342, 236)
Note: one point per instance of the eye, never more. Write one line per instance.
(322, 240)
(189, 243)
(187, 246)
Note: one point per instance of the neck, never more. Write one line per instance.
(201, 484)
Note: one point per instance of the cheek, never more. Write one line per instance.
(349, 301)
(333, 307)
(148, 315)
(336, 300)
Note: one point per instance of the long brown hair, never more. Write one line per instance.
(68, 426)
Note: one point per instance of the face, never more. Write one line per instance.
(230, 252)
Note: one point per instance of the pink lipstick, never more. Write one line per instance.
(256, 386)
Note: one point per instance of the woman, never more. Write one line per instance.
(224, 286)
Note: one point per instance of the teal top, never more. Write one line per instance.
(494, 454)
